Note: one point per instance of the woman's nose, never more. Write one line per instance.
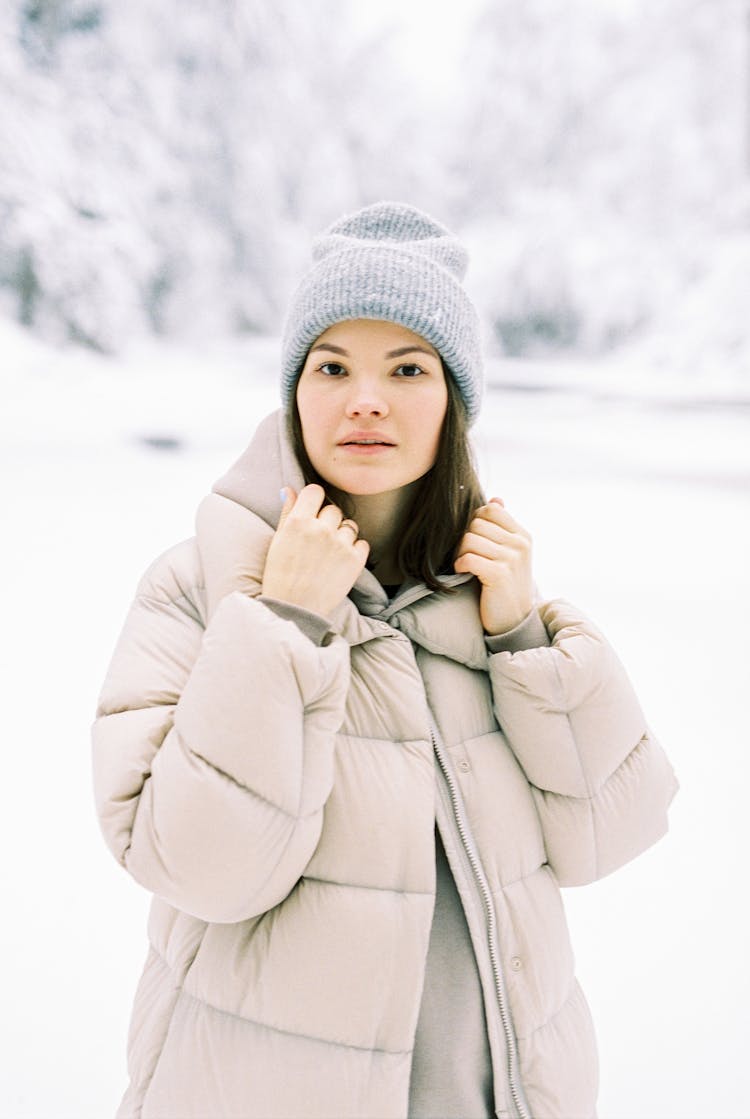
(366, 402)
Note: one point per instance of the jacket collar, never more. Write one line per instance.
(444, 624)
(268, 463)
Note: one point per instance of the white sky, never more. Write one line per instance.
(429, 35)
(432, 34)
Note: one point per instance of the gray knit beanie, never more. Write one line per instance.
(388, 261)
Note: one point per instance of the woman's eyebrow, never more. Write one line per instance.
(410, 350)
(330, 346)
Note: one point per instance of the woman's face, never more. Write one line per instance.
(371, 398)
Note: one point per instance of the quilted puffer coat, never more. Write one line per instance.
(279, 799)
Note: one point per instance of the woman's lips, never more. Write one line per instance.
(366, 443)
(366, 448)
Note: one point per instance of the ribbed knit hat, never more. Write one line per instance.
(388, 261)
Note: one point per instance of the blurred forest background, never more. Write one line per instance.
(164, 165)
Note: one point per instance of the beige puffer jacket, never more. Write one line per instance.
(279, 800)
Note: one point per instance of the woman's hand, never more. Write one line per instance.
(497, 550)
(315, 556)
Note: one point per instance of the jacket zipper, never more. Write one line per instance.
(467, 841)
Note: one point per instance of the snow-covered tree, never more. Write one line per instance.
(162, 159)
(607, 147)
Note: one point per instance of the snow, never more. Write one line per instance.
(637, 497)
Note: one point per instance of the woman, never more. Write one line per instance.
(351, 756)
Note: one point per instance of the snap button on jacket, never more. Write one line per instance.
(279, 800)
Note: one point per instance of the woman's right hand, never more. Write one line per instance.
(315, 556)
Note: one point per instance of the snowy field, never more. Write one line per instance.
(637, 495)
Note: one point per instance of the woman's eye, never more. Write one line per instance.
(331, 369)
(409, 371)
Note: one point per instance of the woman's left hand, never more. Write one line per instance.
(497, 550)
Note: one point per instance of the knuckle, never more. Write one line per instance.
(312, 530)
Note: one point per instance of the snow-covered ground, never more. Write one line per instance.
(637, 494)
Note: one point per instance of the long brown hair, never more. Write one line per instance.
(443, 504)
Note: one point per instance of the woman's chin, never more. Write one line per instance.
(370, 487)
(357, 485)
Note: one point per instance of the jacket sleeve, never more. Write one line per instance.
(600, 780)
(213, 752)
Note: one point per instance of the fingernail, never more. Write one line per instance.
(282, 494)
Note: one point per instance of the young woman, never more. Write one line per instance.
(350, 754)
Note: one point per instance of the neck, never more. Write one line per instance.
(380, 517)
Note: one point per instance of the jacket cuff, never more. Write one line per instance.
(313, 625)
(528, 634)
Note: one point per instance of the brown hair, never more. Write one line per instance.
(444, 503)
